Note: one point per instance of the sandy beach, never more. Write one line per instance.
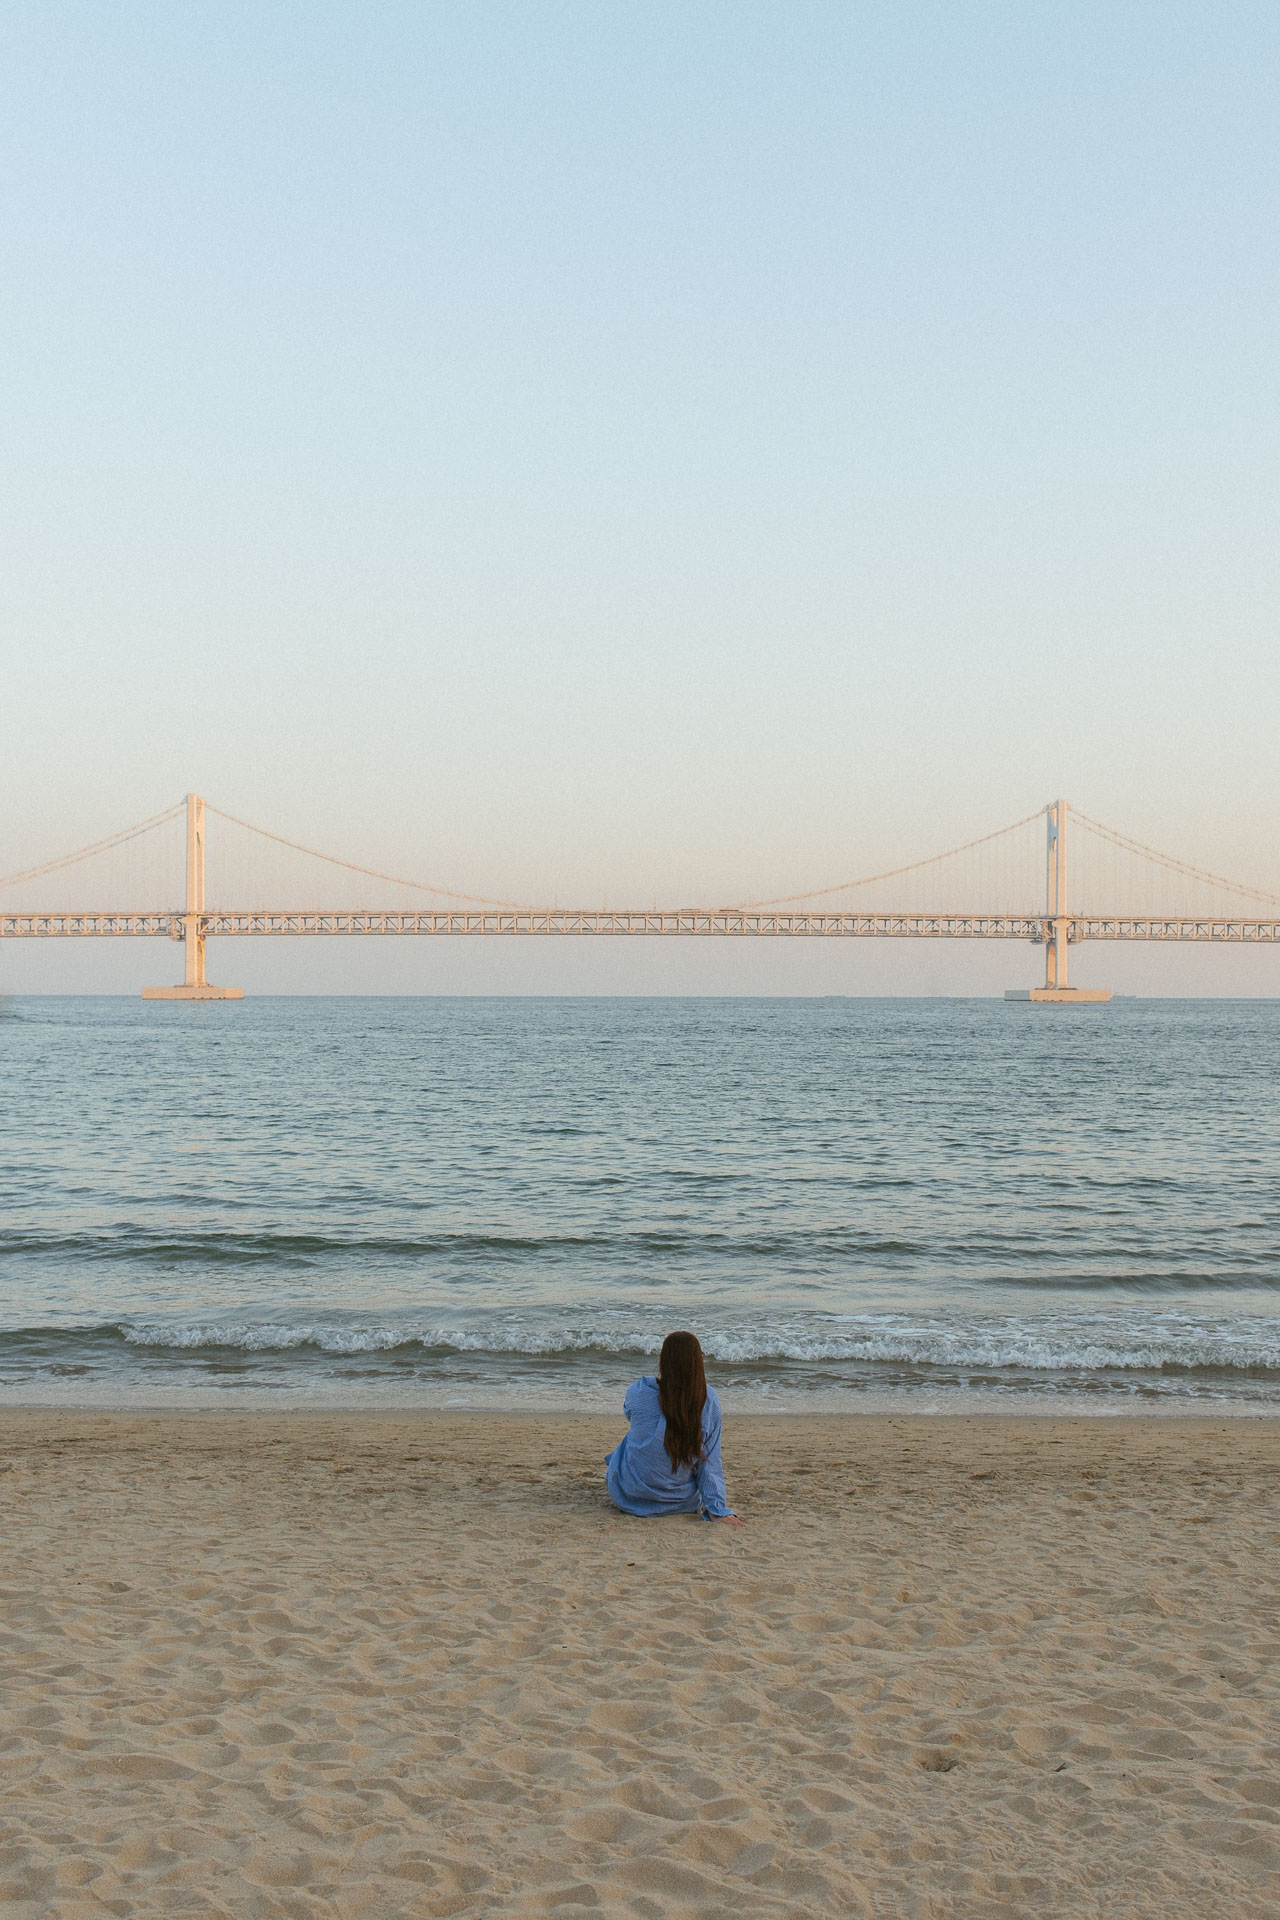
(413, 1663)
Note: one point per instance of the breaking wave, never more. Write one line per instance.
(806, 1351)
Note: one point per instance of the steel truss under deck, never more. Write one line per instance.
(731, 922)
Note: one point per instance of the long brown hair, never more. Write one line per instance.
(682, 1394)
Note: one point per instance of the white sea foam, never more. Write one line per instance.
(1152, 1343)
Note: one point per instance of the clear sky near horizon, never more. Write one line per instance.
(685, 452)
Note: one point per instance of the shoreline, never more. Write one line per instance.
(21, 1425)
(606, 1403)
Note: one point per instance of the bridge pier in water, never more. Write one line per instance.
(1056, 990)
(195, 986)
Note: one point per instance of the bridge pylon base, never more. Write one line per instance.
(205, 992)
(1060, 996)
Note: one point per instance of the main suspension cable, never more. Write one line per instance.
(99, 846)
(1174, 865)
(370, 873)
(844, 886)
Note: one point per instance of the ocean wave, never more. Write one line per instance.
(1242, 1348)
(129, 1242)
(923, 1348)
(1012, 1262)
(133, 1244)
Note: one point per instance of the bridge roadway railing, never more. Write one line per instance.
(730, 922)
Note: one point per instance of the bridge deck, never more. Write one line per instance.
(719, 922)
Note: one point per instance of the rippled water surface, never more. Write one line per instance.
(490, 1200)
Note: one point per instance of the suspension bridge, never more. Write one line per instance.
(1054, 878)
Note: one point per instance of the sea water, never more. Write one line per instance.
(509, 1202)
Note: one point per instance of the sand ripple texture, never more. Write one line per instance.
(409, 1665)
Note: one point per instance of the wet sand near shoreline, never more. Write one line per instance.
(414, 1663)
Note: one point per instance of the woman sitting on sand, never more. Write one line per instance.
(669, 1462)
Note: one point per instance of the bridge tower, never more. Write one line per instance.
(1057, 922)
(192, 931)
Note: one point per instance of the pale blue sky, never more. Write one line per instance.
(681, 451)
